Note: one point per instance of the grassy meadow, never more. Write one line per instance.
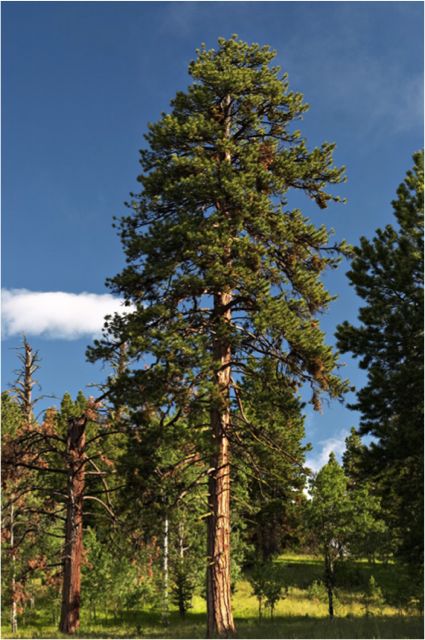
(301, 614)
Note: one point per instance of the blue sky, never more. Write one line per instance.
(81, 80)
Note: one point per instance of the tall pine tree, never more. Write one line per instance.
(219, 270)
(387, 273)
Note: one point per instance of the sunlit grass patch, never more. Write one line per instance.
(299, 615)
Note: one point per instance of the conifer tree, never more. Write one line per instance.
(353, 457)
(14, 499)
(387, 273)
(340, 519)
(267, 435)
(219, 269)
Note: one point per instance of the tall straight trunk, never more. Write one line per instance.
(165, 571)
(70, 611)
(13, 611)
(219, 608)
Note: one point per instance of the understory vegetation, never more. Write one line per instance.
(302, 613)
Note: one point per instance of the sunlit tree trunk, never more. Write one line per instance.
(219, 608)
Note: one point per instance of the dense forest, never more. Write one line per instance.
(176, 501)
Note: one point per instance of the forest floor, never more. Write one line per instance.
(298, 615)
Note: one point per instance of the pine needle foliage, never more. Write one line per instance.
(387, 273)
(220, 272)
(211, 217)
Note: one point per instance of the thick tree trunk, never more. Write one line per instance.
(70, 611)
(219, 609)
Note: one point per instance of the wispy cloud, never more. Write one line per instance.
(325, 447)
(55, 314)
(371, 91)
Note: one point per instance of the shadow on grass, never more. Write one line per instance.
(149, 625)
(353, 576)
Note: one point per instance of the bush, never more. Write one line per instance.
(317, 591)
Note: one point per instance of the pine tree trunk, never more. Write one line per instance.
(70, 611)
(219, 609)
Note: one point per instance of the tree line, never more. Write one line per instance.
(200, 424)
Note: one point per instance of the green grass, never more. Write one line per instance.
(297, 616)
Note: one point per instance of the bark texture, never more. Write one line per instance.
(219, 609)
(70, 611)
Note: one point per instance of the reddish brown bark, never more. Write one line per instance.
(70, 612)
(219, 608)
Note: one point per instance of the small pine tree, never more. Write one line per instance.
(372, 596)
(317, 591)
(340, 520)
(182, 590)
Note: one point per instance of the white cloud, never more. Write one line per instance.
(335, 444)
(56, 314)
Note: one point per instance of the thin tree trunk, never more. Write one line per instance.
(329, 585)
(120, 369)
(165, 571)
(330, 602)
(181, 541)
(30, 364)
(13, 612)
(23, 389)
(70, 611)
(180, 590)
(219, 608)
